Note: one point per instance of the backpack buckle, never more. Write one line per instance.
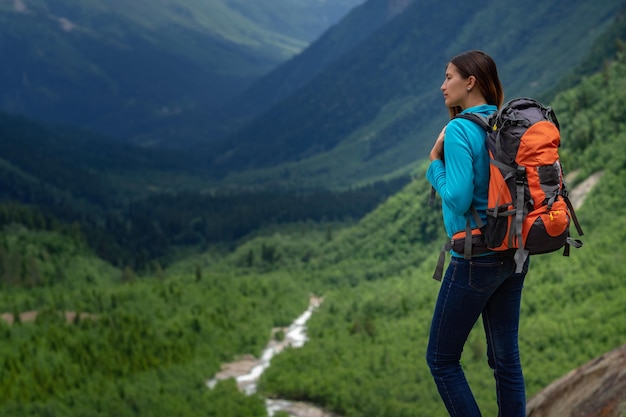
(520, 175)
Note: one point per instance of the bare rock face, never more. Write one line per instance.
(596, 389)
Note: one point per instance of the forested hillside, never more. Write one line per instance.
(125, 69)
(137, 207)
(287, 78)
(359, 105)
(129, 275)
(83, 338)
(376, 110)
(130, 346)
(368, 341)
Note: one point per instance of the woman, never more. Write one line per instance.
(486, 284)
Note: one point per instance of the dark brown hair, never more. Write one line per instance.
(483, 67)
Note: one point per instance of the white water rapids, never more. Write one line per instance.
(249, 369)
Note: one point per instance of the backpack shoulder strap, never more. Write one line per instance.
(479, 119)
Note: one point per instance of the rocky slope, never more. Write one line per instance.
(596, 389)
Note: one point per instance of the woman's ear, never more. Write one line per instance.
(471, 82)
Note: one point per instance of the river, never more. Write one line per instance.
(248, 369)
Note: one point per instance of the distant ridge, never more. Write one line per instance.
(126, 68)
(374, 111)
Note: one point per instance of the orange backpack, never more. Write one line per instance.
(528, 208)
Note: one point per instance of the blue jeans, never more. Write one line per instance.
(486, 285)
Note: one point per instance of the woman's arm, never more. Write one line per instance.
(454, 181)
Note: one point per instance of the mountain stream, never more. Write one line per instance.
(248, 369)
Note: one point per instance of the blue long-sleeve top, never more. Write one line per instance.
(464, 177)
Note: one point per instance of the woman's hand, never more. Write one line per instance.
(437, 151)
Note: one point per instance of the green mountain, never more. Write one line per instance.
(129, 276)
(82, 338)
(282, 82)
(124, 69)
(359, 105)
(374, 111)
(139, 204)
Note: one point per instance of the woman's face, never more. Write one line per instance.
(454, 87)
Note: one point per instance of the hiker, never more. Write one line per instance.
(485, 284)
